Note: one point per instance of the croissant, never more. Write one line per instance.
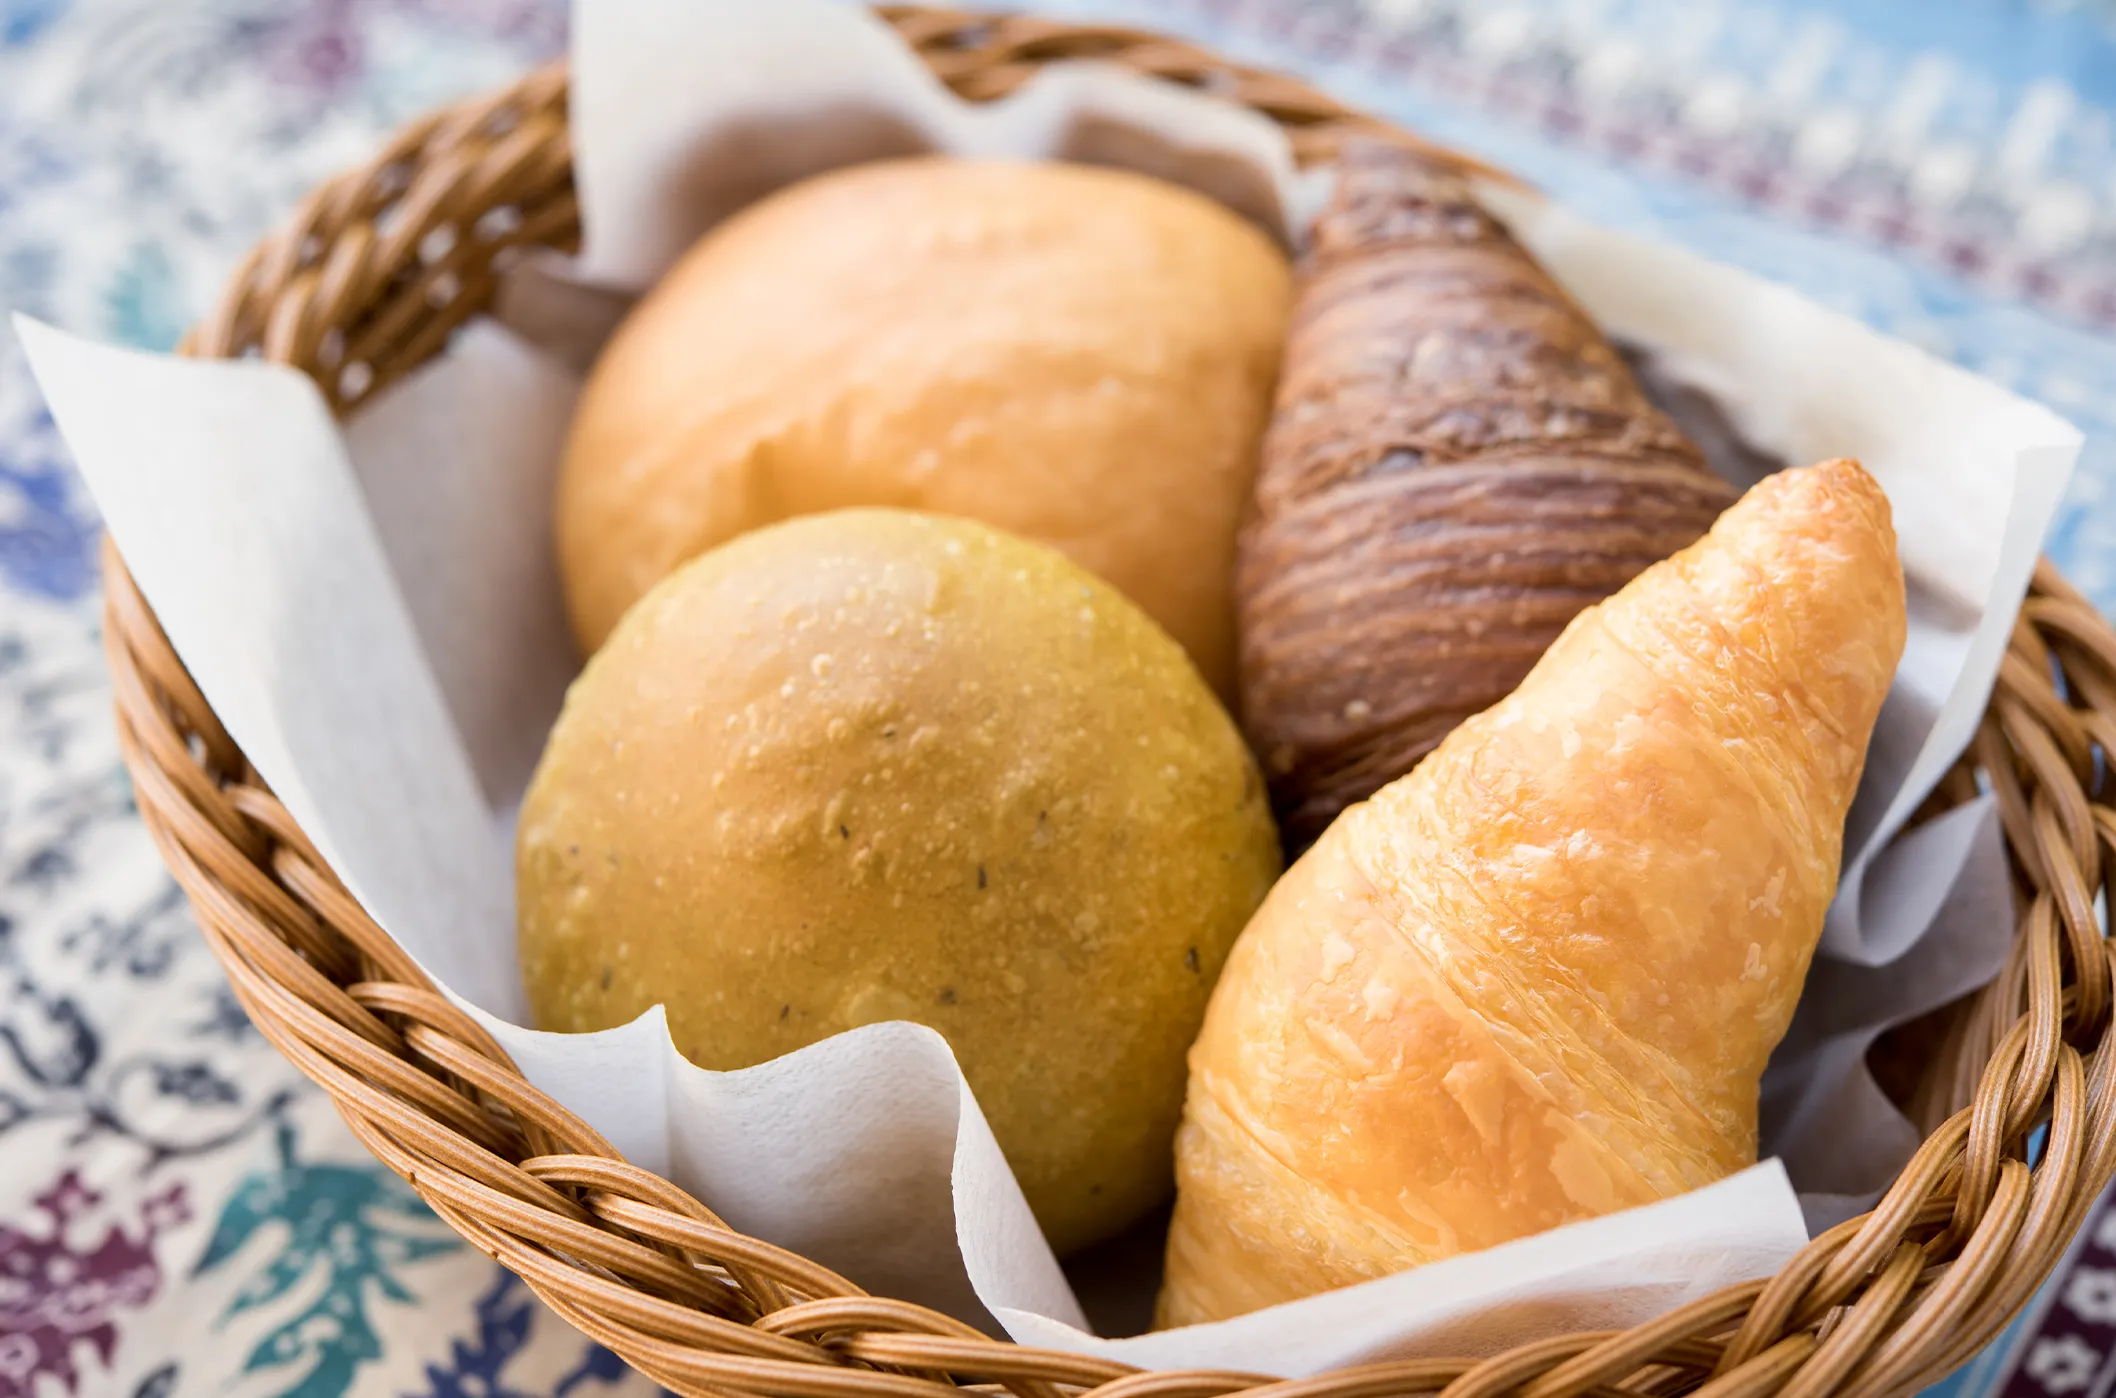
(1457, 463)
(1536, 980)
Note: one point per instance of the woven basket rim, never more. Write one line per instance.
(1882, 1304)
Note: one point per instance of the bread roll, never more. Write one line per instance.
(1459, 462)
(1537, 979)
(1080, 356)
(872, 765)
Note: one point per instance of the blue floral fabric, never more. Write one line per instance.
(180, 1213)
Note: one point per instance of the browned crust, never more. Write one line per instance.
(1457, 464)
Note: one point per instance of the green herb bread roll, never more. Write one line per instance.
(875, 765)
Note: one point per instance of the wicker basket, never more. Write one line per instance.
(1883, 1304)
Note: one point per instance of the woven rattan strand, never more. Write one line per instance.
(369, 278)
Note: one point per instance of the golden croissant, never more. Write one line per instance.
(1536, 980)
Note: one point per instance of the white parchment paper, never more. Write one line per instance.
(372, 611)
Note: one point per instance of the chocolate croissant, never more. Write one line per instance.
(1457, 463)
(1536, 980)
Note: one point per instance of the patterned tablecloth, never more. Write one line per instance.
(179, 1212)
